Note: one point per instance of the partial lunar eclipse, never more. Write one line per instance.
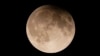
(50, 29)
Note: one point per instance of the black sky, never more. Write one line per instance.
(17, 15)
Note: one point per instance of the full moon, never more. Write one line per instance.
(50, 29)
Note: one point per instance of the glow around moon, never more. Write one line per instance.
(50, 29)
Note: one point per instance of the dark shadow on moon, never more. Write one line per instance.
(54, 13)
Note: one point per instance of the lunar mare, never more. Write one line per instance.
(50, 29)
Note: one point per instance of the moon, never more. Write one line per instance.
(50, 29)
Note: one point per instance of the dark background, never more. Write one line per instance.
(16, 14)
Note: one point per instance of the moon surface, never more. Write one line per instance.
(50, 29)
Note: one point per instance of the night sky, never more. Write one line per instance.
(17, 15)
